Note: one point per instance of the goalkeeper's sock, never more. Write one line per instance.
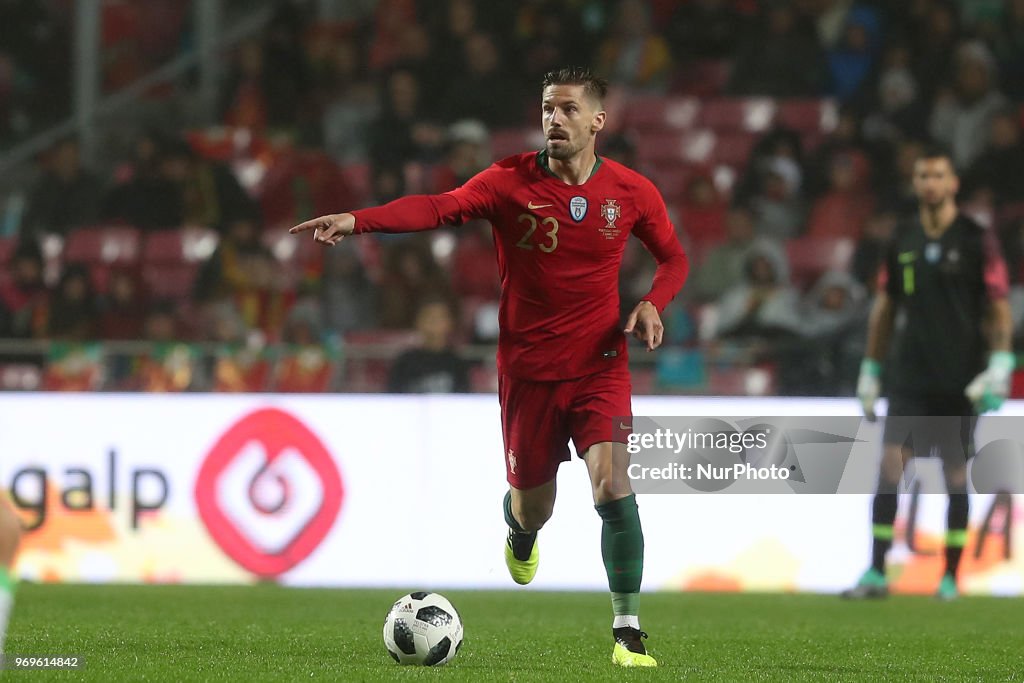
(956, 531)
(622, 548)
(883, 514)
(6, 603)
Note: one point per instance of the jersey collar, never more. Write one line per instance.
(542, 161)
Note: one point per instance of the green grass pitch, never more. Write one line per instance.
(266, 633)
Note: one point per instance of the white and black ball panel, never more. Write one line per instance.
(423, 628)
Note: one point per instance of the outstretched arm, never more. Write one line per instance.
(475, 199)
(407, 214)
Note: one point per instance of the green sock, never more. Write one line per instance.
(6, 602)
(6, 580)
(509, 518)
(622, 547)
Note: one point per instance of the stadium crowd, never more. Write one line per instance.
(781, 133)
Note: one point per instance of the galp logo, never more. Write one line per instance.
(269, 492)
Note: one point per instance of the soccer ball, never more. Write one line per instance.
(423, 628)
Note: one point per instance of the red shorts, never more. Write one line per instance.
(539, 418)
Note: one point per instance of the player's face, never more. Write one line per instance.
(571, 120)
(934, 181)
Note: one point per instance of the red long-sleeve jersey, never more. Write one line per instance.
(559, 250)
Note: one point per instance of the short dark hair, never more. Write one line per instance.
(935, 150)
(594, 86)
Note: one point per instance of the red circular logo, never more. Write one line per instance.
(269, 492)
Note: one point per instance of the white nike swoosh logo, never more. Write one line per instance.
(531, 205)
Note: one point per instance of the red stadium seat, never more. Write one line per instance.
(671, 179)
(753, 114)
(657, 113)
(741, 381)
(808, 116)
(659, 147)
(810, 257)
(507, 142)
(178, 246)
(170, 281)
(734, 149)
(107, 245)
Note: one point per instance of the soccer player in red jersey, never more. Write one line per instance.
(10, 533)
(560, 218)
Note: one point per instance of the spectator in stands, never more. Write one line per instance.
(468, 153)
(286, 75)
(208, 192)
(1011, 237)
(845, 138)
(350, 105)
(24, 299)
(781, 59)
(722, 266)
(411, 275)
(826, 361)
(896, 184)
(123, 307)
(484, 89)
(404, 130)
(235, 266)
(763, 305)
(997, 175)
(703, 211)
(1009, 48)
(387, 184)
(870, 251)
(897, 107)
(778, 143)
(933, 29)
(706, 29)
(779, 208)
(145, 195)
(347, 296)
(634, 55)
(65, 196)
(843, 210)
(960, 119)
(548, 34)
(453, 26)
(245, 98)
(73, 314)
(435, 367)
(853, 59)
(390, 20)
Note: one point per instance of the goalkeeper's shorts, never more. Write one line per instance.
(940, 426)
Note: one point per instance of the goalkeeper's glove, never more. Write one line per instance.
(990, 388)
(869, 386)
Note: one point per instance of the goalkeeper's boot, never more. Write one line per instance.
(947, 588)
(871, 585)
(522, 556)
(629, 648)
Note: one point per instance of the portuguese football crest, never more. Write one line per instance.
(578, 208)
(610, 211)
